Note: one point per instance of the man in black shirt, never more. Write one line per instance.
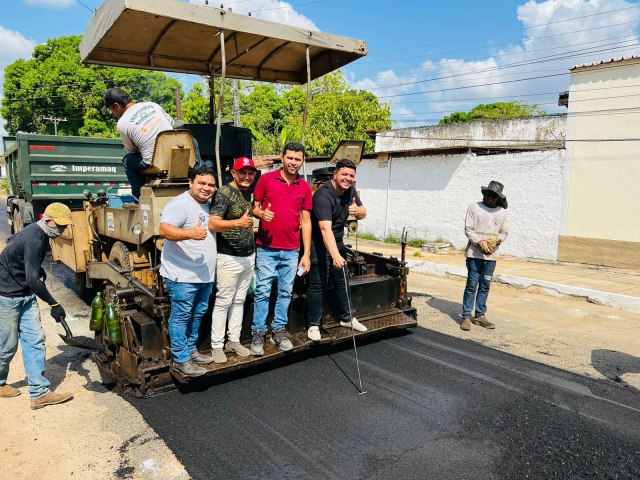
(333, 202)
(21, 281)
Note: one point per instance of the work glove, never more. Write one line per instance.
(57, 312)
(486, 248)
(493, 242)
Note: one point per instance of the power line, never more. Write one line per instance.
(505, 54)
(474, 86)
(563, 56)
(603, 67)
(520, 29)
(505, 140)
(90, 9)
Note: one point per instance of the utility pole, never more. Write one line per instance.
(55, 122)
(176, 90)
(236, 104)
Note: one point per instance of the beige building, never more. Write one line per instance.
(600, 221)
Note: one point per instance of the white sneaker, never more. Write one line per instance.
(357, 326)
(218, 355)
(314, 334)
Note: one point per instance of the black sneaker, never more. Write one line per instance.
(257, 344)
(281, 338)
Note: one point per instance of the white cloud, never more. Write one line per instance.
(12, 46)
(545, 37)
(274, 10)
(50, 3)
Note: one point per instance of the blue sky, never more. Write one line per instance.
(426, 58)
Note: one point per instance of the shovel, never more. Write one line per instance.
(79, 342)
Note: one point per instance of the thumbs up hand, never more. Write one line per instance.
(353, 208)
(245, 221)
(267, 215)
(199, 232)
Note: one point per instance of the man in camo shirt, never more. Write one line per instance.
(232, 219)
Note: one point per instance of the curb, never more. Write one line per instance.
(598, 297)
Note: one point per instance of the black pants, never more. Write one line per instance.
(326, 282)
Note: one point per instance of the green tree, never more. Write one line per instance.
(336, 112)
(195, 106)
(261, 110)
(494, 111)
(54, 83)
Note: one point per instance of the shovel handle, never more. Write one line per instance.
(66, 328)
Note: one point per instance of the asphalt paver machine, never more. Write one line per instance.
(118, 247)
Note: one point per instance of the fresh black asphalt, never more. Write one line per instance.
(436, 407)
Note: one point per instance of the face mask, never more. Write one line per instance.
(52, 232)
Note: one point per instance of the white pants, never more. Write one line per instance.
(233, 278)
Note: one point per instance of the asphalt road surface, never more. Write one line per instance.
(436, 407)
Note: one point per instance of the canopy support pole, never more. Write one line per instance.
(212, 96)
(220, 104)
(306, 110)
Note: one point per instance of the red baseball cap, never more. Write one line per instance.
(244, 162)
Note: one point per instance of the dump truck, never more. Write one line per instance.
(118, 246)
(48, 168)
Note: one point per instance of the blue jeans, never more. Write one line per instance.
(20, 318)
(326, 282)
(189, 302)
(479, 273)
(134, 165)
(272, 263)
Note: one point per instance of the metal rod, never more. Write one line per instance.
(306, 110)
(353, 335)
(212, 96)
(176, 91)
(220, 104)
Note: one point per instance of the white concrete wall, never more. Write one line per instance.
(429, 195)
(515, 133)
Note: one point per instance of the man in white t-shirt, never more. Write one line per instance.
(188, 265)
(139, 124)
(486, 226)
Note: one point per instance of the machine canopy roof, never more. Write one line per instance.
(181, 37)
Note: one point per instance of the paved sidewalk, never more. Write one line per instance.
(602, 285)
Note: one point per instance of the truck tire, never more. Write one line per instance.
(84, 292)
(120, 254)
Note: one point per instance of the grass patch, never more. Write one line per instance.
(392, 239)
(441, 240)
(416, 242)
(366, 236)
(4, 186)
(417, 254)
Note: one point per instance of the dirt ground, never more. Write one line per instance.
(99, 435)
(565, 332)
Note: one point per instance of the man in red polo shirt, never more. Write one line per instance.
(282, 202)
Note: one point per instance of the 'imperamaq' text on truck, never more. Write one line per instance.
(47, 168)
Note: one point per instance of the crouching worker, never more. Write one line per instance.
(188, 265)
(21, 281)
(139, 124)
